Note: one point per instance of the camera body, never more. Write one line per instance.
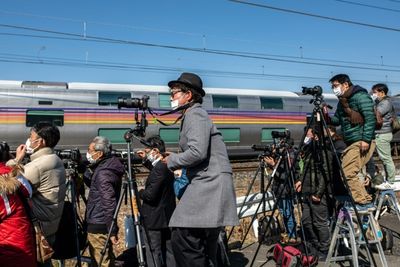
(69, 154)
(316, 90)
(280, 135)
(275, 149)
(139, 103)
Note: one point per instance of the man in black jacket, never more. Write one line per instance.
(104, 177)
(158, 204)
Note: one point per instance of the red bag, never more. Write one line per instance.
(294, 256)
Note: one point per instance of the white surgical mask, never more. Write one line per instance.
(90, 158)
(307, 140)
(374, 97)
(337, 91)
(151, 158)
(29, 149)
(175, 104)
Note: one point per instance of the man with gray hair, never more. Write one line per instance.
(104, 178)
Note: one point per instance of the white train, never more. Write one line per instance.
(84, 110)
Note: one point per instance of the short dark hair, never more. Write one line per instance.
(48, 132)
(156, 142)
(4, 152)
(341, 78)
(380, 87)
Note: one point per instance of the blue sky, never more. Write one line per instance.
(229, 44)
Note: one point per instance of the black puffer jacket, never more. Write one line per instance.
(104, 180)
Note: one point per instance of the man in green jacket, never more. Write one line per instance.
(355, 114)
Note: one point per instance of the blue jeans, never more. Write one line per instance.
(286, 209)
(384, 152)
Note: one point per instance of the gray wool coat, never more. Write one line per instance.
(209, 200)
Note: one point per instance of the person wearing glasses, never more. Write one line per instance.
(208, 202)
(46, 173)
(355, 114)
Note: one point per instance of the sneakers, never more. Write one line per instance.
(385, 186)
(364, 208)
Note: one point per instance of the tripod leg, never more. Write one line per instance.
(121, 197)
(73, 199)
(245, 199)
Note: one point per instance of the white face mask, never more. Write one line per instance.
(151, 157)
(307, 140)
(337, 91)
(175, 104)
(374, 97)
(90, 158)
(29, 149)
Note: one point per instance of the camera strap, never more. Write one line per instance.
(183, 107)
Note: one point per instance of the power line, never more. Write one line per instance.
(370, 6)
(78, 37)
(51, 61)
(317, 16)
(236, 52)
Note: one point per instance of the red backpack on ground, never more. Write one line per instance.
(294, 255)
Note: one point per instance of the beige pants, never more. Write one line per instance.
(96, 245)
(352, 163)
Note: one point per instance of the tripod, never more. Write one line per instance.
(70, 236)
(285, 164)
(260, 169)
(130, 184)
(71, 186)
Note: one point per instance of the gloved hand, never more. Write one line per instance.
(354, 116)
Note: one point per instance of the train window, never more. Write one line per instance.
(164, 100)
(225, 101)
(115, 135)
(170, 135)
(55, 117)
(45, 102)
(266, 133)
(111, 98)
(231, 135)
(271, 103)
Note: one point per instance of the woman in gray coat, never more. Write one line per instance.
(209, 201)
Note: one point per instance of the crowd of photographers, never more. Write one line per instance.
(330, 166)
(189, 197)
(183, 233)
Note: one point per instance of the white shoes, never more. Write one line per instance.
(385, 186)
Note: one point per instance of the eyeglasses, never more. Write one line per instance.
(33, 141)
(175, 92)
(334, 85)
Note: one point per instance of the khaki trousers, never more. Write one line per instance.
(96, 245)
(352, 163)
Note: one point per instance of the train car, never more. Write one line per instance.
(84, 110)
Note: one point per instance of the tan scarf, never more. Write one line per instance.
(354, 116)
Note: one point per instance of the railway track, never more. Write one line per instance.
(248, 166)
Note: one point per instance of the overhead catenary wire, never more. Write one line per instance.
(15, 58)
(286, 10)
(298, 60)
(369, 6)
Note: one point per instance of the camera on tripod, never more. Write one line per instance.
(316, 90)
(139, 103)
(69, 154)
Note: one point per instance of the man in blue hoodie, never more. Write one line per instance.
(104, 177)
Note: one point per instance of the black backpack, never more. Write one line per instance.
(271, 235)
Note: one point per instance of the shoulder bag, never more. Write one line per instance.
(395, 122)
